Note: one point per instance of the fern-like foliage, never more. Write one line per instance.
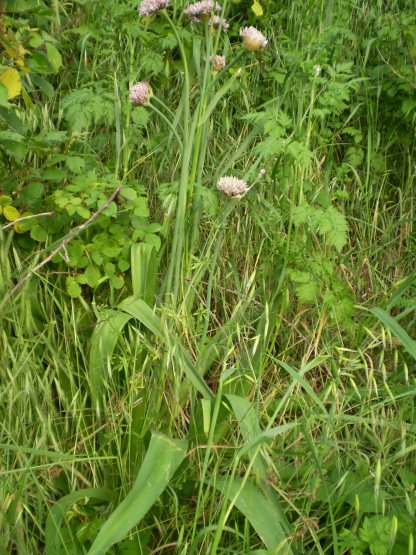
(328, 222)
(85, 107)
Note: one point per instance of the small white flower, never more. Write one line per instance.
(253, 39)
(150, 7)
(140, 93)
(262, 172)
(218, 62)
(318, 70)
(202, 9)
(232, 186)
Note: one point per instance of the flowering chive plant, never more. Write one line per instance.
(191, 124)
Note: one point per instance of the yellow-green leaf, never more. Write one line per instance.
(11, 80)
(257, 9)
(11, 213)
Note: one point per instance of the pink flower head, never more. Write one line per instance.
(150, 7)
(140, 93)
(253, 39)
(232, 186)
(218, 62)
(202, 9)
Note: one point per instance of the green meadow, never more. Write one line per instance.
(207, 277)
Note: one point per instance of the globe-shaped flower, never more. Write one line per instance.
(140, 93)
(218, 62)
(232, 186)
(150, 7)
(203, 9)
(253, 39)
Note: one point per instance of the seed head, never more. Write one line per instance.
(203, 9)
(150, 7)
(140, 93)
(218, 62)
(253, 39)
(232, 186)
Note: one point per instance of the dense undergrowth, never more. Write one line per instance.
(183, 371)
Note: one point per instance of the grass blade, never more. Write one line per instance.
(163, 457)
(396, 329)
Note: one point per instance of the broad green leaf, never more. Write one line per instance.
(53, 543)
(103, 342)
(162, 459)
(269, 523)
(249, 426)
(11, 80)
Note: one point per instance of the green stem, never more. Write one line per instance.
(175, 262)
(168, 123)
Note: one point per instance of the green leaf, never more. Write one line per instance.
(269, 523)
(54, 57)
(53, 533)
(128, 193)
(92, 276)
(75, 163)
(162, 459)
(11, 213)
(72, 288)
(38, 233)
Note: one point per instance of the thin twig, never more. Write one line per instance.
(73, 233)
(26, 218)
(396, 73)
